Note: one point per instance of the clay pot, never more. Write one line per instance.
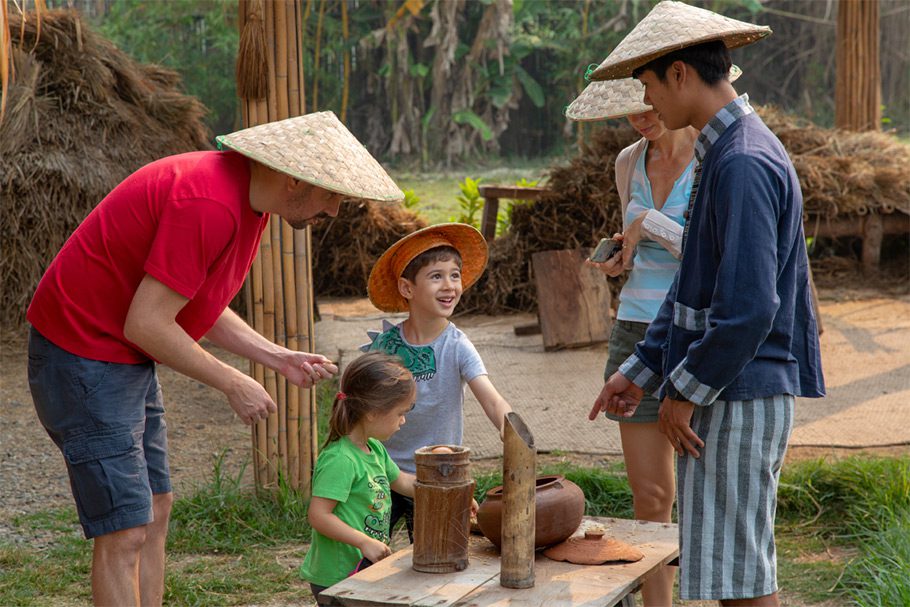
(559, 504)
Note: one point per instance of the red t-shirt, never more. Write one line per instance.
(186, 220)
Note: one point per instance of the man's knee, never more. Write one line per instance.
(121, 544)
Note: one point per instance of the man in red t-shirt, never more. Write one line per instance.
(147, 274)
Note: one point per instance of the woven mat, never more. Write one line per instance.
(865, 353)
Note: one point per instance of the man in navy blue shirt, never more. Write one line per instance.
(736, 339)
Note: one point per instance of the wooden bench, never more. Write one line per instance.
(491, 195)
(392, 581)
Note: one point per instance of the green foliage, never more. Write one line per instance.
(470, 202)
(226, 517)
(197, 38)
(411, 200)
(468, 117)
(881, 576)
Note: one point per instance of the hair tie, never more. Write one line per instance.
(341, 396)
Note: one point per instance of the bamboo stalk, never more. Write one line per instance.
(268, 331)
(346, 75)
(281, 59)
(304, 316)
(519, 485)
(270, 60)
(293, 53)
(280, 338)
(260, 441)
(301, 49)
(316, 55)
(293, 396)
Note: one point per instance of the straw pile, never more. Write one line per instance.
(581, 207)
(81, 116)
(842, 172)
(346, 247)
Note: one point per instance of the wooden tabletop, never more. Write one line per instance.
(392, 581)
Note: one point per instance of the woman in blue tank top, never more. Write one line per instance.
(654, 179)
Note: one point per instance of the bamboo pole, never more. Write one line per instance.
(280, 282)
(280, 339)
(519, 485)
(290, 317)
(293, 53)
(319, 21)
(346, 75)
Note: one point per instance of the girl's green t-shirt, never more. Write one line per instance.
(361, 484)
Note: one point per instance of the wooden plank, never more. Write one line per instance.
(488, 218)
(558, 584)
(392, 581)
(532, 328)
(573, 299)
(516, 192)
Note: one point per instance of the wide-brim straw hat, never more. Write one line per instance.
(467, 240)
(319, 149)
(615, 99)
(671, 26)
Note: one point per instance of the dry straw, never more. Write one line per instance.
(671, 26)
(81, 116)
(319, 149)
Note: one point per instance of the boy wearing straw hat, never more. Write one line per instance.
(146, 275)
(736, 339)
(425, 274)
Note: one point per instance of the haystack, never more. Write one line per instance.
(842, 175)
(81, 116)
(346, 247)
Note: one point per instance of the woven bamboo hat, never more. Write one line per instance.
(615, 99)
(467, 240)
(319, 149)
(669, 27)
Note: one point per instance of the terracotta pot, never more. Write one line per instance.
(559, 504)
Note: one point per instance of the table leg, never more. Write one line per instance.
(488, 218)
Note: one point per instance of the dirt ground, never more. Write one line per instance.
(201, 426)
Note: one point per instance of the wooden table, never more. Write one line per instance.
(392, 581)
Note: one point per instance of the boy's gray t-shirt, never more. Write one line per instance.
(441, 370)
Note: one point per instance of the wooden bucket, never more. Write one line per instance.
(442, 509)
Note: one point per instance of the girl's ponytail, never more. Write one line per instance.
(372, 383)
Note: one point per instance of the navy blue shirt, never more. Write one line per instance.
(737, 323)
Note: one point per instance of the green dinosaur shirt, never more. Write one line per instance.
(360, 483)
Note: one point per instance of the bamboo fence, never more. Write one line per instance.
(279, 290)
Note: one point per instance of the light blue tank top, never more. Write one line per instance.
(653, 266)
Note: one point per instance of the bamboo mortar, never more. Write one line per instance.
(519, 486)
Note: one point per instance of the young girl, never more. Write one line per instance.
(349, 510)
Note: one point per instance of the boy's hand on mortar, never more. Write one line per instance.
(474, 508)
(374, 550)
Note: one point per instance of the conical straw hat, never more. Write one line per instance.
(319, 149)
(615, 99)
(669, 27)
(467, 240)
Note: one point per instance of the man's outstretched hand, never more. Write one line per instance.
(619, 396)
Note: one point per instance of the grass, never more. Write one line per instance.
(438, 191)
(843, 536)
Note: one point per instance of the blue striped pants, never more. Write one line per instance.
(727, 499)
